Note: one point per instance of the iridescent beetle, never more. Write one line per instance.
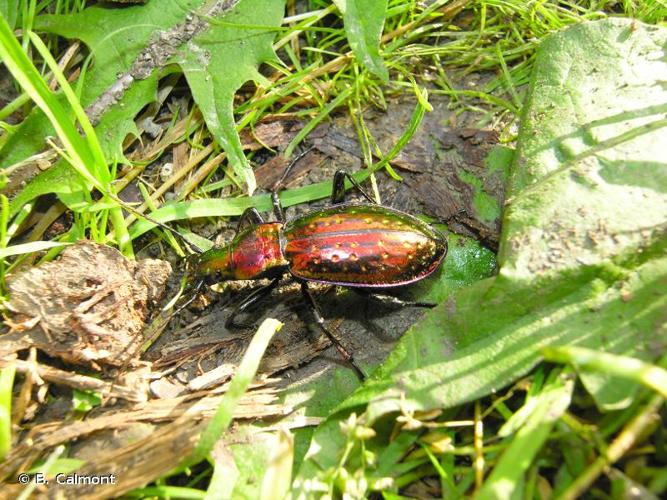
(364, 246)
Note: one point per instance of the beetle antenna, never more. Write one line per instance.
(191, 246)
(278, 184)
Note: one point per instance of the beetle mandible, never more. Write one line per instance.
(363, 246)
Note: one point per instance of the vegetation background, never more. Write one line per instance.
(540, 374)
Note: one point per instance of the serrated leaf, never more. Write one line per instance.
(583, 250)
(115, 37)
(222, 59)
(364, 20)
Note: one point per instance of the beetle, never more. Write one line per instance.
(363, 246)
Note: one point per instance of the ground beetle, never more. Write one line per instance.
(363, 246)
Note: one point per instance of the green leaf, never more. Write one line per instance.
(60, 179)
(166, 491)
(221, 60)
(9, 9)
(651, 376)
(364, 20)
(278, 476)
(582, 253)
(225, 472)
(28, 77)
(252, 451)
(60, 466)
(6, 385)
(115, 37)
(85, 400)
(34, 246)
(216, 64)
(231, 207)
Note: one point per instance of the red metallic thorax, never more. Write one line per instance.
(254, 253)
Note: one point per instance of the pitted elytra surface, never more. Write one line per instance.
(362, 245)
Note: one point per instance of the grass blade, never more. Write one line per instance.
(548, 406)
(6, 384)
(239, 384)
(278, 477)
(35, 246)
(28, 77)
(99, 167)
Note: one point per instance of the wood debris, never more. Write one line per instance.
(91, 305)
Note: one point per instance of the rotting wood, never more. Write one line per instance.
(91, 303)
(258, 403)
(132, 466)
(212, 378)
(151, 457)
(76, 381)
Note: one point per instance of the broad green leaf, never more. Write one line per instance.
(592, 153)
(364, 20)
(115, 37)
(222, 59)
(640, 372)
(582, 253)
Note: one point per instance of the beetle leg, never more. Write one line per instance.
(249, 216)
(199, 284)
(338, 189)
(390, 300)
(320, 323)
(277, 207)
(255, 296)
(278, 211)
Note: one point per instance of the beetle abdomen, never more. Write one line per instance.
(362, 245)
